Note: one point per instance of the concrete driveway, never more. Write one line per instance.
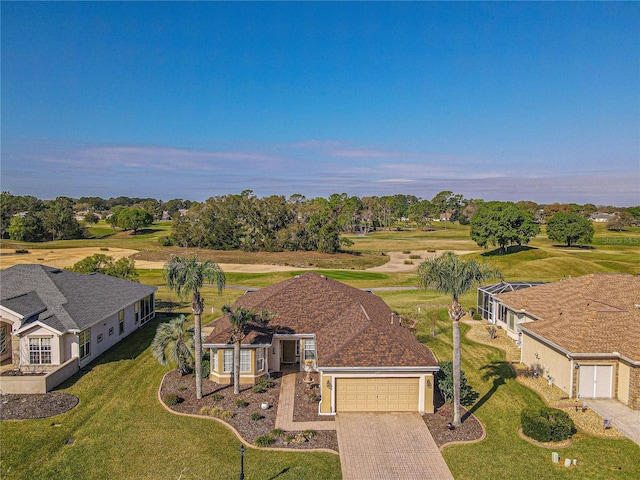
(388, 446)
(621, 416)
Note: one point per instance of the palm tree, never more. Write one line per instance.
(239, 318)
(186, 276)
(450, 274)
(173, 344)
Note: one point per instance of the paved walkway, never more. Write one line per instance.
(621, 416)
(388, 446)
(284, 415)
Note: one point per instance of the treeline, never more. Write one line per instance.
(276, 223)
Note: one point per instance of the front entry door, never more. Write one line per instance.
(289, 351)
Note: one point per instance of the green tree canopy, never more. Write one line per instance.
(570, 228)
(173, 344)
(502, 224)
(100, 263)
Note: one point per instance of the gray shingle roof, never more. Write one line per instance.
(73, 301)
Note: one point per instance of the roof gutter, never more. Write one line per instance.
(378, 369)
(579, 356)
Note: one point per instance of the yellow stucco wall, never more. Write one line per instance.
(555, 364)
(428, 393)
(624, 374)
(325, 394)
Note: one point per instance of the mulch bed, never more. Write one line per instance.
(305, 406)
(249, 429)
(25, 407)
(470, 430)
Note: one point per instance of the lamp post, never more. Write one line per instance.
(241, 462)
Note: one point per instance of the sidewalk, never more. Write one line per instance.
(284, 415)
(622, 417)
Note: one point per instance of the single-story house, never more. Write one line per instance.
(362, 357)
(53, 322)
(583, 333)
(602, 217)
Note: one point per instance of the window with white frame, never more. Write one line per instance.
(259, 359)
(121, 322)
(310, 349)
(39, 350)
(245, 361)
(227, 360)
(214, 359)
(4, 334)
(84, 340)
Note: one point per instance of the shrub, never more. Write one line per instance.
(406, 251)
(546, 424)
(309, 433)
(171, 399)
(277, 432)
(104, 249)
(216, 397)
(205, 411)
(477, 316)
(22, 250)
(408, 262)
(227, 414)
(263, 441)
(165, 242)
(182, 388)
(414, 257)
(289, 438)
(444, 378)
(241, 404)
(216, 411)
(263, 384)
(256, 416)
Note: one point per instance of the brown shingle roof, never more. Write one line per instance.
(353, 328)
(595, 313)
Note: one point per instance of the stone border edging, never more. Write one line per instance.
(567, 443)
(237, 434)
(463, 442)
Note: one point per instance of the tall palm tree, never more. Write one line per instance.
(450, 274)
(186, 276)
(239, 318)
(173, 343)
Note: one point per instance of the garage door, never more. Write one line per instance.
(595, 381)
(377, 394)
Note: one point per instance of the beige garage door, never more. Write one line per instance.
(377, 394)
(595, 381)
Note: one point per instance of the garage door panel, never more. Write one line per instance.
(595, 381)
(377, 394)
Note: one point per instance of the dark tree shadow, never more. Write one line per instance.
(510, 250)
(499, 371)
(281, 472)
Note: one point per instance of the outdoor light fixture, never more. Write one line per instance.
(241, 462)
(576, 366)
(329, 385)
(428, 383)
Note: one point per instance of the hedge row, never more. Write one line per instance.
(547, 424)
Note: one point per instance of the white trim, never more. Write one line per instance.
(38, 323)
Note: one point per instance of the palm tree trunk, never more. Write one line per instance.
(197, 306)
(456, 313)
(456, 373)
(236, 367)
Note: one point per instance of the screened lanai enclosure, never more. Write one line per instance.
(488, 307)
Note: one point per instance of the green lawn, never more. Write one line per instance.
(121, 431)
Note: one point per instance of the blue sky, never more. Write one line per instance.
(501, 101)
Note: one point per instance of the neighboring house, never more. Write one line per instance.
(53, 322)
(602, 217)
(583, 333)
(490, 309)
(364, 359)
